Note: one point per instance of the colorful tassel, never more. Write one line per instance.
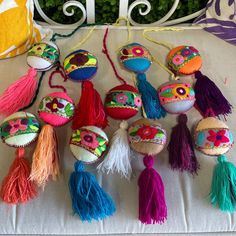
(151, 103)
(19, 94)
(181, 150)
(89, 200)
(90, 110)
(209, 99)
(152, 205)
(118, 156)
(16, 186)
(45, 158)
(223, 186)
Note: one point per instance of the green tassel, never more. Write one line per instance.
(223, 186)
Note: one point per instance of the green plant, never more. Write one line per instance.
(107, 11)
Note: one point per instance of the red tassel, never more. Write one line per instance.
(152, 205)
(90, 110)
(16, 186)
(19, 94)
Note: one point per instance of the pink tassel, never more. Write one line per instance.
(18, 94)
(152, 205)
(16, 186)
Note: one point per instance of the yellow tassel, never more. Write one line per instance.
(45, 158)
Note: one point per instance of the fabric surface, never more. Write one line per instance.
(186, 197)
(18, 30)
(219, 18)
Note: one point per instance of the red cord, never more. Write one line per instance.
(105, 51)
(59, 70)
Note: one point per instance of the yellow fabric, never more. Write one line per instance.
(18, 30)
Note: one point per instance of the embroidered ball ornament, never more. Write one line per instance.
(88, 144)
(19, 129)
(184, 60)
(135, 57)
(123, 102)
(213, 137)
(56, 109)
(146, 137)
(176, 97)
(43, 56)
(80, 65)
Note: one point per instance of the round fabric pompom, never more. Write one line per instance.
(43, 56)
(88, 143)
(123, 102)
(80, 65)
(176, 97)
(184, 60)
(147, 136)
(213, 137)
(19, 129)
(135, 57)
(56, 109)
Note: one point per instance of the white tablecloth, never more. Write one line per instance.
(187, 197)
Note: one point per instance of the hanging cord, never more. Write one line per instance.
(59, 70)
(105, 51)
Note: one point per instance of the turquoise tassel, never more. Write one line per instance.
(89, 200)
(150, 99)
(223, 186)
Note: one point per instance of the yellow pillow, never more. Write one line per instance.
(18, 29)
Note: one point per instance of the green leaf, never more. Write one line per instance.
(167, 94)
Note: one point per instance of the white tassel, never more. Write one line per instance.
(118, 157)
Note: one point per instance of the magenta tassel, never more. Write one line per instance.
(18, 94)
(152, 205)
(181, 150)
(209, 99)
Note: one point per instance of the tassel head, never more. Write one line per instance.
(20, 129)
(147, 136)
(56, 109)
(213, 137)
(135, 57)
(123, 102)
(88, 144)
(152, 205)
(184, 60)
(43, 56)
(80, 65)
(89, 200)
(176, 97)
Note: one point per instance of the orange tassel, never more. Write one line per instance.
(45, 158)
(16, 186)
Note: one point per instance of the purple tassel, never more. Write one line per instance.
(181, 150)
(152, 205)
(209, 99)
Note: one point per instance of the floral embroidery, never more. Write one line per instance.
(19, 126)
(213, 138)
(59, 106)
(150, 133)
(138, 51)
(124, 99)
(217, 137)
(89, 140)
(186, 52)
(178, 59)
(176, 92)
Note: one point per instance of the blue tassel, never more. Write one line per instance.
(89, 200)
(150, 99)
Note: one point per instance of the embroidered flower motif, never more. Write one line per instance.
(54, 105)
(178, 60)
(217, 137)
(138, 101)
(121, 98)
(181, 91)
(17, 125)
(186, 52)
(89, 139)
(147, 132)
(137, 51)
(79, 59)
